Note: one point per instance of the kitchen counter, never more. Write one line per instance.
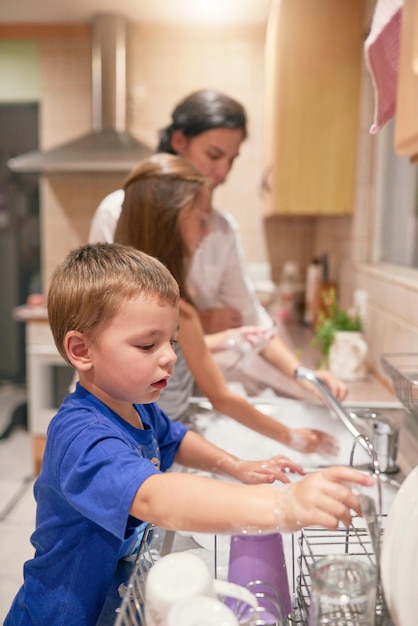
(245, 443)
(371, 392)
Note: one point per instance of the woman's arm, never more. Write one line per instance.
(278, 354)
(180, 501)
(211, 381)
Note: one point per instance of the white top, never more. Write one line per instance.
(217, 275)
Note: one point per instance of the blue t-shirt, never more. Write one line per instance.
(94, 463)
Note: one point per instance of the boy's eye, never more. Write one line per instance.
(173, 342)
(148, 346)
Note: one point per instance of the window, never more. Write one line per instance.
(397, 204)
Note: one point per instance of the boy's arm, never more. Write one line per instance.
(198, 453)
(181, 501)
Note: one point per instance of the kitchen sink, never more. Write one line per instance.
(299, 548)
(246, 443)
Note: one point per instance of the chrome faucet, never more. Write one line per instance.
(304, 373)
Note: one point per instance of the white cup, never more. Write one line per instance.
(180, 576)
(201, 610)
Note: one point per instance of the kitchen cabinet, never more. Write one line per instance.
(406, 124)
(313, 69)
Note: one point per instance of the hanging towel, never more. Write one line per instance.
(381, 51)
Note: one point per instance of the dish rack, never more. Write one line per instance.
(403, 370)
(315, 543)
(308, 546)
(131, 611)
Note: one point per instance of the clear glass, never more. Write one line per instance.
(343, 592)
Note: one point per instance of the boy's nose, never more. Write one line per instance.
(169, 356)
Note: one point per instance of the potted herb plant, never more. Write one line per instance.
(346, 358)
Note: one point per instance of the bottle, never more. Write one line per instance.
(287, 289)
(313, 283)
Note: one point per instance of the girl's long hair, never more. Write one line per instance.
(155, 193)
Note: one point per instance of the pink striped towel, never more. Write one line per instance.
(381, 51)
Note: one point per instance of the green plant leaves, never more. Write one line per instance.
(330, 320)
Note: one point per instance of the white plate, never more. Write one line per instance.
(399, 560)
(208, 541)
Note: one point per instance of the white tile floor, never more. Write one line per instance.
(17, 504)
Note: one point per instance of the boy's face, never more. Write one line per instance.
(132, 360)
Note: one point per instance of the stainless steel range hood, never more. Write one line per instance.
(109, 147)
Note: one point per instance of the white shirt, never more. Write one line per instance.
(217, 275)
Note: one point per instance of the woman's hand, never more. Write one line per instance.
(309, 440)
(336, 385)
(322, 498)
(240, 339)
(276, 468)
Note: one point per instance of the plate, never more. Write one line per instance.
(399, 559)
(208, 541)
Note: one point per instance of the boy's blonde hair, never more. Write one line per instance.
(88, 288)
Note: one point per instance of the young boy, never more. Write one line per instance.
(113, 312)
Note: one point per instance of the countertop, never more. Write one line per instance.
(371, 389)
(368, 393)
(25, 313)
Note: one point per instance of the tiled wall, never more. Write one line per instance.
(164, 65)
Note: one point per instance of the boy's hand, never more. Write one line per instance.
(321, 499)
(276, 468)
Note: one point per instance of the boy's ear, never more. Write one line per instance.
(77, 348)
(178, 141)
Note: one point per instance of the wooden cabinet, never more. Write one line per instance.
(406, 124)
(314, 54)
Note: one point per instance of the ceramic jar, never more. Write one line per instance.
(347, 355)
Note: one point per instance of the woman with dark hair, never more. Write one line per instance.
(202, 111)
(166, 213)
(207, 129)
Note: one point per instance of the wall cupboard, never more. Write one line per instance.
(313, 69)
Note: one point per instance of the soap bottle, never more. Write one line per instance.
(313, 286)
(287, 290)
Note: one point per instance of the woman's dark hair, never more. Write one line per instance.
(201, 111)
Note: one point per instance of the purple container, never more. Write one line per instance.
(258, 563)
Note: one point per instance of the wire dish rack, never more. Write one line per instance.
(308, 546)
(131, 611)
(403, 370)
(315, 543)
